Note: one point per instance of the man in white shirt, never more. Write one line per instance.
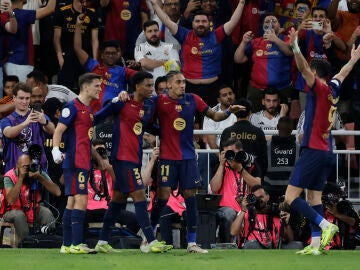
(62, 93)
(226, 97)
(155, 56)
(268, 118)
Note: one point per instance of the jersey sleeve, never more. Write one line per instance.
(201, 106)
(68, 114)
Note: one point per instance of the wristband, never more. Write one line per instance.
(46, 123)
(227, 112)
(242, 211)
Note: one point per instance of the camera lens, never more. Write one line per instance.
(230, 155)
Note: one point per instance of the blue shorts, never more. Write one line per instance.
(76, 181)
(312, 169)
(179, 173)
(128, 176)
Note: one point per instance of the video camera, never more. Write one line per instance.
(241, 157)
(34, 152)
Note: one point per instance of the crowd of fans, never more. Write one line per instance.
(229, 51)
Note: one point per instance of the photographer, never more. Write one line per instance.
(342, 213)
(234, 177)
(100, 191)
(259, 225)
(20, 186)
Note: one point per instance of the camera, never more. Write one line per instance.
(36, 107)
(34, 152)
(329, 198)
(102, 152)
(251, 199)
(241, 157)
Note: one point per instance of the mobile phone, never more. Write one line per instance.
(36, 107)
(317, 25)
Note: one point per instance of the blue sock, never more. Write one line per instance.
(109, 219)
(302, 207)
(156, 210)
(191, 218)
(66, 227)
(77, 224)
(315, 229)
(144, 221)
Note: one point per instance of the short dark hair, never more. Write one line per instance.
(257, 187)
(159, 80)
(232, 141)
(139, 77)
(248, 107)
(171, 74)
(38, 76)
(88, 78)
(21, 86)
(321, 66)
(319, 8)
(223, 86)
(199, 12)
(149, 23)
(10, 78)
(270, 91)
(305, 2)
(110, 43)
(98, 141)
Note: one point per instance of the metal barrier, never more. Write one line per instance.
(351, 179)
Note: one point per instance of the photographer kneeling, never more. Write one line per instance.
(342, 213)
(259, 226)
(20, 185)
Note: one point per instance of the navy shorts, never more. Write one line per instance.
(128, 176)
(179, 173)
(76, 181)
(312, 169)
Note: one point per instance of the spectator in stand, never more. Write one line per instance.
(160, 85)
(21, 51)
(172, 9)
(20, 189)
(345, 23)
(65, 23)
(7, 102)
(316, 42)
(233, 180)
(155, 56)
(201, 50)
(8, 23)
(113, 77)
(251, 137)
(23, 128)
(271, 57)
(62, 93)
(123, 22)
(302, 11)
(268, 118)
